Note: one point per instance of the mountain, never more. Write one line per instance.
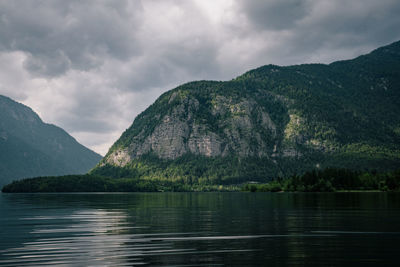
(29, 147)
(271, 121)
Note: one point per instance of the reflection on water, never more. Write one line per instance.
(199, 229)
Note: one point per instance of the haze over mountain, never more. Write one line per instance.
(271, 121)
(29, 147)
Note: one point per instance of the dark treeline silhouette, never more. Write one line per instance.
(327, 180)
(330, 180)
(94, 183)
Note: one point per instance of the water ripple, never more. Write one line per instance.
(196, 230)
(99, 237)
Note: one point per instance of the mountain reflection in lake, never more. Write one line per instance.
(199, 229)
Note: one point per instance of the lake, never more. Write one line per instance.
(200, 229)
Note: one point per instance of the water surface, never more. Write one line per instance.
(200, 229)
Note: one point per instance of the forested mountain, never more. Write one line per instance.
(271, 121)
(29, 147)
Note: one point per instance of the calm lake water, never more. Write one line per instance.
(200, 229)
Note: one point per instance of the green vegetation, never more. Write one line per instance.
(341, 115)
(328, 180)
(331, 180)
(269, 122)
(193, 169)
(29, 147)
(93, 183)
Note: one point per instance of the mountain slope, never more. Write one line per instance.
(269, 122)
(29, 147)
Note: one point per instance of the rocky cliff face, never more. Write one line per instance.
(307, 116)
(243, 128)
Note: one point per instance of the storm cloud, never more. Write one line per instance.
(60, 35)
(91, 66)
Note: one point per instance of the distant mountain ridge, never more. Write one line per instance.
(29, 147)
(271, 121)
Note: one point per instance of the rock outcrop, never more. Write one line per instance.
(243, 128)
(270, 121)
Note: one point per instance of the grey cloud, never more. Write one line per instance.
(60, 35)
(109, 60)
(274, 14)
(189, 51)
(52, 64)
(321, 30)
(353, 22)
(174, 64)
(73, 122)
(195, 56)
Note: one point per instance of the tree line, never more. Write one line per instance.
(331, 180)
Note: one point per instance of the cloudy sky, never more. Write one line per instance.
(91, 66)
